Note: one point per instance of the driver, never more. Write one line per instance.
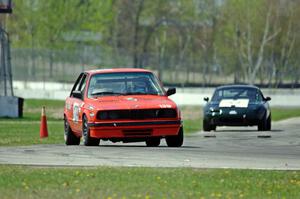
(139, 87)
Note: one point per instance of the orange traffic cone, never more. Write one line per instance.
(43, 128)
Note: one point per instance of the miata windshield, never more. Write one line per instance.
(237, 93)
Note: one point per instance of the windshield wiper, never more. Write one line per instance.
(106, 93)
(139, 93)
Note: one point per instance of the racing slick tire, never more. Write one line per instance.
(175, 141)
(87, 140)
(213, 127)
(264, 124)
(70, 138)
(153, 142)
(208, 127)
(269, 125)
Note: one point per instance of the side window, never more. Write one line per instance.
(259, 97)
(79, 84)
(76, 84)
(82, 84)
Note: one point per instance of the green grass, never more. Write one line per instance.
(192, 118)
(281, 113)
(32, 110)
(105, 182)
(37, 103)
(13, 133)
(192, 125)
(25, 131)
(33, 107)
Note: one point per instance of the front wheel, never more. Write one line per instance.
(87, 140)
(70, 138)
(153, 142)
(264, 124)
(175, 141)
(207, 126)
(269, 125)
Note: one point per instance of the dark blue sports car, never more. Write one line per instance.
(237, 105)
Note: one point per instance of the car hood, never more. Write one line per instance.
(132, 102)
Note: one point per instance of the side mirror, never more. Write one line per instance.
(267, 98)
(206, 99)
(77, 94)
(171, 91)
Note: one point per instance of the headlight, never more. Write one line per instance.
(92, 114)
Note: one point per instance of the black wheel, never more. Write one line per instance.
(153, 142)
(175, 141)
(70, 138)
(87, 140)
(261, 125)
(264, 124)
(268, 124)
(208, 127)
(213, 127)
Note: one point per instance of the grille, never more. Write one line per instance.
(137, 114)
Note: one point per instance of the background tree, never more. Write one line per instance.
(185, 41)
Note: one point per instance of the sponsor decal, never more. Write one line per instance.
(75, 112)
(131, 99)
(165, 106)
(68, 106)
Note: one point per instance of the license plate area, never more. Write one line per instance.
(137, 132)
(232, 112)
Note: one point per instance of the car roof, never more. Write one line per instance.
(116, 70)
(237, 86)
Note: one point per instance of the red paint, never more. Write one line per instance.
(90, 106)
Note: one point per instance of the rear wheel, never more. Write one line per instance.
(70, 138)
(87, 140)
(175, 141)
(153, 142)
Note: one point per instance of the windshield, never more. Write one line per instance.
(124, 83)
(237, 93)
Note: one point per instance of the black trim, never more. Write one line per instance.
(118, 124)
(137, 114)
(6, 10)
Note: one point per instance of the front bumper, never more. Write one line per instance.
(134, 129)
(233, 121)
(239, 117)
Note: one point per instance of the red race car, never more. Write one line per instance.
(128, 105)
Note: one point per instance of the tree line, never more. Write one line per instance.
(205, 41)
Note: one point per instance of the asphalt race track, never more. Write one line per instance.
(225, 148)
